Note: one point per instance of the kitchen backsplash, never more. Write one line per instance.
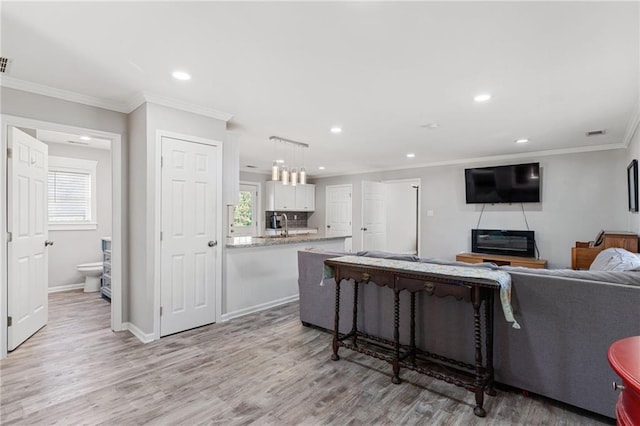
(295, 219)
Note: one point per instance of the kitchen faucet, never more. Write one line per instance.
(286, 225)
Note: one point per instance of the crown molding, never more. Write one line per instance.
(142, 97)
(125, 107)
(472, 160)
(632, 128)
(65, 95)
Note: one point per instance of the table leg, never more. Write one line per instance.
(354, 326)
(476, 301)
(396, 337)
(488, 324)
(336, 324)
(412, 342)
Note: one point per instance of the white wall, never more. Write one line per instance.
(74, 247)
(581, 194)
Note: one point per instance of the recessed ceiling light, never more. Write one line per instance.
(430, 126)
(85, 138)
(484, 97)
(522, 140)
(280, 161)
(321, 168)
(181, 75)
(336, 130)
(411, 155)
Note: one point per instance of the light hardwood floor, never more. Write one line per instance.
(265, 369)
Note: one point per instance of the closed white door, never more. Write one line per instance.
(27, 222)
(374, 221)
(338, 210)
(189, 242)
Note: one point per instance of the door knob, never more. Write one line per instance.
(212, 243)
(617, 387)
(48, 243)
(328, 226)
(363, 229)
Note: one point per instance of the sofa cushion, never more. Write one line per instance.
(606, 277)
(615, 259)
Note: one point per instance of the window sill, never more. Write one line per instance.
(73, 226)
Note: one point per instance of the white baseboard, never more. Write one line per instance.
(141, 335)
(66, 287)
(258, 308)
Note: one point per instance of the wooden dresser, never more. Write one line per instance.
(583, 253)
(527, 262)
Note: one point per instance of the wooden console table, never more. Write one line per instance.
(416, 277)
(527, 262)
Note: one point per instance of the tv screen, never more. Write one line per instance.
(519, 183)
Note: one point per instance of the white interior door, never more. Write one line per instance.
(27, 223)
(189, 242)
(338, 210)
(374, 221)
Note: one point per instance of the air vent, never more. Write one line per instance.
(78, 142)
(3, 64)
(251, 166)
(596, 132)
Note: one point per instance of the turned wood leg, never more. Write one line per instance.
(354, 326)
(396, 338)
(476, 301)
(488, 325)
(336, 323)
(413, 328)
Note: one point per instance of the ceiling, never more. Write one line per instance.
(84, 141)
(382, 71)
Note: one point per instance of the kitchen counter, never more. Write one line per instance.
(241, 242)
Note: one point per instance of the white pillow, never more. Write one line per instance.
(615, 259)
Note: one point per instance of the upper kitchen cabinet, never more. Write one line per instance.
(305, 198)
(299, 198)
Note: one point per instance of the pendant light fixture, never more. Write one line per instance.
(294, 171)
(279, 169)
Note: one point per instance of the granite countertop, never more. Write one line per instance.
(240, 242)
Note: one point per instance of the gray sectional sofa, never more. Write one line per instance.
(568, 320)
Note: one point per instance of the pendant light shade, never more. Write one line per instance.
(294, 176)
(284, 175)
(303, 176)
(274, 171)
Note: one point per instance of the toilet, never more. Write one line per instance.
(92, 273)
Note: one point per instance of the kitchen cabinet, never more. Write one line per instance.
(299, 198)
(305, 198)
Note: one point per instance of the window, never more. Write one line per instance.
(72, 194)
(245, 220)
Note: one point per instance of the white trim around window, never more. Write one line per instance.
(77, 165)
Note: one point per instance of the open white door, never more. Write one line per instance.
(338, 210)
(27, 223)
(374, 221)
(189, 242)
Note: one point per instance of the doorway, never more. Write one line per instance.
(391, 216)
(9, 122)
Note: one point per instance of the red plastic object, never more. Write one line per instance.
(624, 358)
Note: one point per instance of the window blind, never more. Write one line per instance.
(69, 196)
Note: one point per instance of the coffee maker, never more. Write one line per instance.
(274, 221)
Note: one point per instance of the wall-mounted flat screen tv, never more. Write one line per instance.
(518, 183)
